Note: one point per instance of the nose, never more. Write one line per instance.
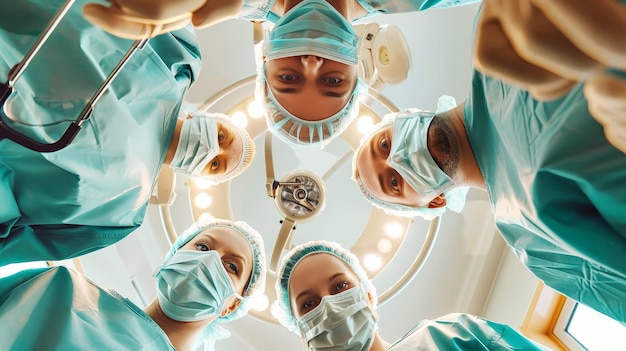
(311, 62)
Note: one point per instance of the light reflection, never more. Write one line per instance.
(202, 201)
(372, 262)
(240, 119)
(365, 124)
(261, 304)
(394, 230)
(384, 246)
(202, 183)
(254, 109)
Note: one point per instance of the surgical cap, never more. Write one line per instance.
(256, 284)
(455, 197)
(281, 309)
(288, 127)
(248, 152)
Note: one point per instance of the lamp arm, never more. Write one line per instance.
(416, 266)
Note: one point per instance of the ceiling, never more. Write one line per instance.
(457, 276)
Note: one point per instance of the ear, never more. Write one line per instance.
(230, 309)
(439, 201)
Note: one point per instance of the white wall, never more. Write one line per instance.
(511, 292)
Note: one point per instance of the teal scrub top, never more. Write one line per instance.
(261, 9)
(557, 188)
(95, 191)
(460, 331)
(59, 309)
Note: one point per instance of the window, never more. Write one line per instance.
(562, 324)
(583, 328)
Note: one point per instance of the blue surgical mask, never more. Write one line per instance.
(341, 322)
(410, 157)
(193, 285)
(313, 27)
(198, 144)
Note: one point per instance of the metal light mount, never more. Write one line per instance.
(300, 196)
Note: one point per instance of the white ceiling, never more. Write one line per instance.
(456, 278)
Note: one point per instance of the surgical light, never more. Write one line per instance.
(372, 262)
(262, 302)
(365, 124)
(240, 119)
(393, 230)
(204, 216)
(202, 183)
(202, 201)
(384, 245)
(254, 109)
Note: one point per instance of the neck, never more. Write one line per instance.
(469, 173)
(181, 334)
(379, 344)
(349, 9)
(171, 149)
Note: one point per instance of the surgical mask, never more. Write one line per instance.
(341, 322)
(313, 27)
(410, 157)
(198, 144)
(193, 285)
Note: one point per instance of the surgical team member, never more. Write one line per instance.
(307, 77)
(210, 276)
(324, 296)
(578, 42)
(94, 192)
(555, 183)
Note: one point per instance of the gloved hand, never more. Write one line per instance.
(547, 47)
(136, 19)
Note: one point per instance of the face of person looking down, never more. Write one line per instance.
(310, 87)
(234, 251)
(382, 180)
(230, 152)
(316, 276)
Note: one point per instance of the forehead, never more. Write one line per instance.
(233, 151)
(314, 270)
(368, 163)
(228, 239)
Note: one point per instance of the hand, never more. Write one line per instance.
(606, 95)
(547, 47)
(137, 19)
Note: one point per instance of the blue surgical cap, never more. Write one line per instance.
(281, 309)
(256, 283)
(455, 197)
(288, 127)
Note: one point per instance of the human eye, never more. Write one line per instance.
(232, 267)
(202, 247)
(221, 135)
(341, 287)
(288, 78)
(333, 81)
(393, 183)
(384, 144)
(308, 305)
(215, 164)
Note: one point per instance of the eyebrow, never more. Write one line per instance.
(325, 93)
(303, 293)
(231, 253)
